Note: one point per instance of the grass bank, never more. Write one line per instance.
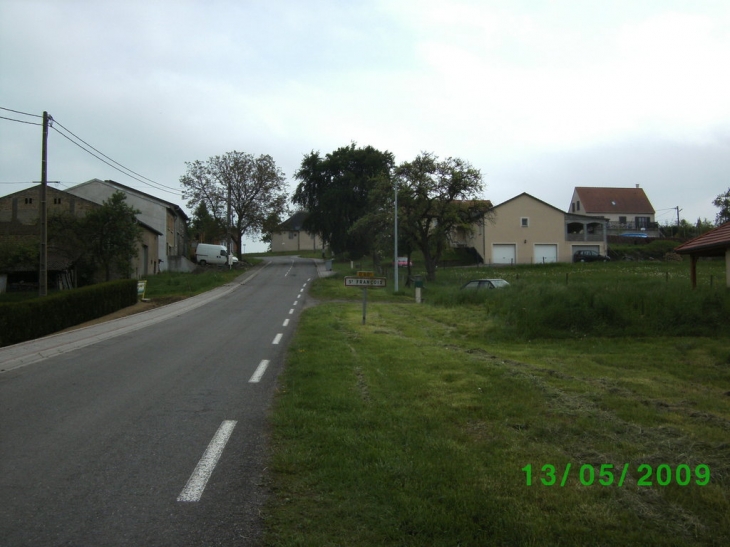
(417, 429)
(183, 285)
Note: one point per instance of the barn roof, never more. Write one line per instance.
(714, 242)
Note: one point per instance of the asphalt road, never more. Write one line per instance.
(112, 443)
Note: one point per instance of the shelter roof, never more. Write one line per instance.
(714, 242)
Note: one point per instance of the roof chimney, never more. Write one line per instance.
(637, 184)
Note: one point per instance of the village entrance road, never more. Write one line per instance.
(105, 444)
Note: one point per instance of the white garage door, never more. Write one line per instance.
(545, 254)
(503, 254)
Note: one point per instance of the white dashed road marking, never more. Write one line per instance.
(277, 339)
(286, 322)
(259, 372)
(196, 483)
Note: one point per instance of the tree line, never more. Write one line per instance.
(349, 195)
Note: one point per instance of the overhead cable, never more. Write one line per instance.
(19, 121)
(109, 164)
(114, 161)
(19, 112)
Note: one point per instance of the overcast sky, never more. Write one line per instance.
(541, 96)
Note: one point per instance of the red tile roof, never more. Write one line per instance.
(614, 200)
(713, 242)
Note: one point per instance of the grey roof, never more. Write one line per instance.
(294, 223)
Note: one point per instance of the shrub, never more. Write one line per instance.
(31, 319)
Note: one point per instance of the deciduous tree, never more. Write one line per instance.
(334, 191)
(114, 235)
(256, 186)
(723, 202)
(434, 199)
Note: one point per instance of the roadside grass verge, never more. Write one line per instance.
(414, 430)
(183, 285)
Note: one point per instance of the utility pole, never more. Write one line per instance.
(678, 210)
(228, 231)
(395, 257)
(43, 267)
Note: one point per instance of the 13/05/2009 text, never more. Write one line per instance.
(606, 475)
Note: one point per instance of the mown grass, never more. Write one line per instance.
(177, 284)
(414, 429)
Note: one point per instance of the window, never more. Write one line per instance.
(56, 201)
(524, 222)
(28, 201)
(292, 235)
(642, 222)
(577, 205)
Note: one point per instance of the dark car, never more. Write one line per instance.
(486, 284)
(589, 256)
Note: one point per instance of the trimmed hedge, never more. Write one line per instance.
(32, 319)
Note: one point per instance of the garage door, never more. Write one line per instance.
(503, 254)
(545, 254)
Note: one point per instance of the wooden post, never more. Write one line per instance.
(43, 220)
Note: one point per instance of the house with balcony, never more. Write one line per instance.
(527, 230)
(628, 210)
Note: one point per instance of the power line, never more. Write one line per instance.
(124, 170)
(109, 164)
(19, 112)
(19, 121)
(112, 160)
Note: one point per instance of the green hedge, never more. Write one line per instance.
(32, 319)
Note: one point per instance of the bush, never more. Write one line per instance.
(41, 316)
(656, 250)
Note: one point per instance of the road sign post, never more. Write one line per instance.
(365, 280)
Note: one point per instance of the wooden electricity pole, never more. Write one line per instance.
(43, 269)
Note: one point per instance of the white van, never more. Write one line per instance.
(206, 253)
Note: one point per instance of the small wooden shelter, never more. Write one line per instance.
(713, 243)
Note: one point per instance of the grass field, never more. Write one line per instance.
(418, 427)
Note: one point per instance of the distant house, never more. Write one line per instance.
(291, 235)
(166, 218)
(713, 243)
(526, 230)
(627, 209)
